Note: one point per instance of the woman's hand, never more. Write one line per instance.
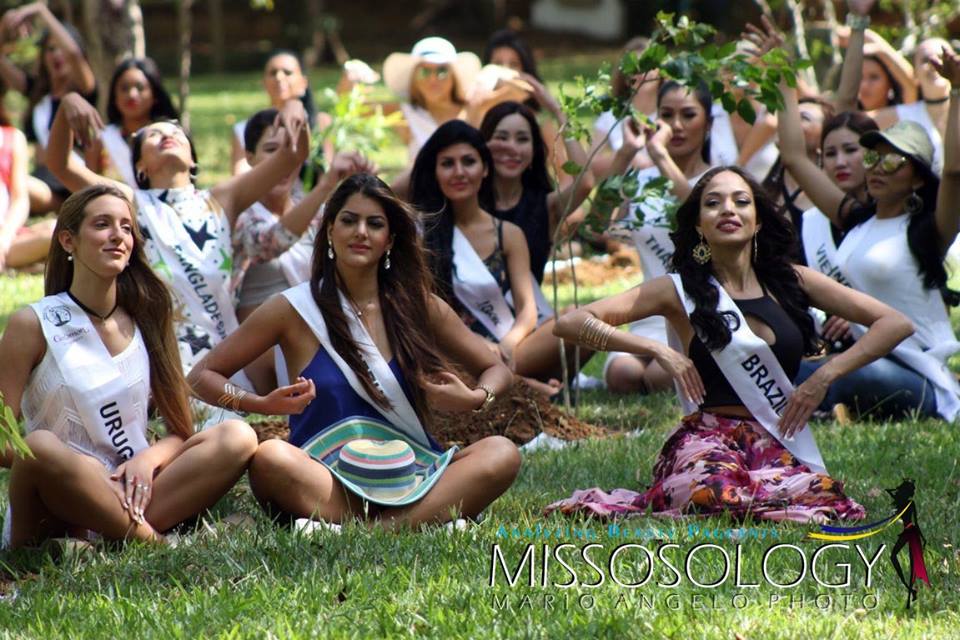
(836, 328)
(83, 118)
(134, 485)
(292, 117)
(681, 369)
(289, 400)
(451, 395)
(345, 164)
(948, 66)
(543, 96)
(762, 40)
(804, 401)
(634, 134)
(657, 136)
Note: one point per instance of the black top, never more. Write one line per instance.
(496, 264)
(787, 347)
(533, 217)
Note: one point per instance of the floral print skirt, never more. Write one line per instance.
(716, 464)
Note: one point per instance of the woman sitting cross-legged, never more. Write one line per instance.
(82, 365)
(738, 314)
(366, 343)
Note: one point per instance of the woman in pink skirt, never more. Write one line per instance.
(737, 310)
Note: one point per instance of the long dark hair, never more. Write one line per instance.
(512, 40)
(894, 84)
(536, 176)
(162, 108)
(922, 233)
(404, 292)
(136, 148)
(776, 242)
(702, 93)
(142, 295)
(428, 198)
(856, 121)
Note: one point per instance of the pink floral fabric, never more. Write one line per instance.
(714, 464)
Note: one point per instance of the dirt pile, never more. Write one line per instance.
(519, 415)
(601, 270)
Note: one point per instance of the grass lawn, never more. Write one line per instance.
(271, 582)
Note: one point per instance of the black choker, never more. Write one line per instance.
(90, 311)
(938, 100)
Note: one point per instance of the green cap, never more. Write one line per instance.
(907, 137)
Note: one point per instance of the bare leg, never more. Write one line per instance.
(477, 476)
(59, 488)
(538, 355)
(31, 245)
(630, 374)
(42, 198)
(285, 477)
(207, 465)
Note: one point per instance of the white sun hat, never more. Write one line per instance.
(398, 67)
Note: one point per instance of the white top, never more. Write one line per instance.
(917, 112)
(421, 124)
(118, 153)
(877, 257)
(48, 404)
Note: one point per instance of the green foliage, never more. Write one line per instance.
(11, 431)
(354, 126)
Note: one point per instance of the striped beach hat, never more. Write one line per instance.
(377, 462)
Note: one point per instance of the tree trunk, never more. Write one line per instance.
(800, 34)
(184, 28)
(114, 31)
(217, 35)
(318, 42)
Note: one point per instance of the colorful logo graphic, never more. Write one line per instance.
(911, 536)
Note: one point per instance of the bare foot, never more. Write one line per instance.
(548, 389)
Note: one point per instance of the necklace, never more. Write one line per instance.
(357, 308)
(90, 311)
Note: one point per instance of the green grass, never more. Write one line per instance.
(270, 582)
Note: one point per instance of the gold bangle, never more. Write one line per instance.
(595, 334)
(491, 396)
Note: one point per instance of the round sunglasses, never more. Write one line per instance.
(885, 163)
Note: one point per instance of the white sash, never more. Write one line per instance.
(401, 415)
(477, 290)
(756, 376)
(297, 261)
(119, 151)
(421, 125)
(931, 363)
(42, 113)
(98, 389)
(186, 269)
(819, 247)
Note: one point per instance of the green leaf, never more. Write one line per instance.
(571, 168)
(729, 102)
(746, 111)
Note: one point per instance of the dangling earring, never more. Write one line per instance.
(69, 257)
(914, 203)
(755, 250)
(386, 263)
(330, 251)
(701, 252)
(141, 178)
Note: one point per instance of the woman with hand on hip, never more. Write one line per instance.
(738, 314)
(367, 345)
(82, 365)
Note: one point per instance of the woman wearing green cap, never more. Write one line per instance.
(894, 250)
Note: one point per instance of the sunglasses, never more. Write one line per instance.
(440, 72)
(886, 163)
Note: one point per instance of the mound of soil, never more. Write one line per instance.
(519, 415)
(600, 270)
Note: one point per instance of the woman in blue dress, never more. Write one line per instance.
(367, 346)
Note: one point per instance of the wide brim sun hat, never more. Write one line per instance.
(377, 462)
(398, 68)
(907, 137)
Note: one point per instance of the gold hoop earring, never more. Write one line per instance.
(701, 251)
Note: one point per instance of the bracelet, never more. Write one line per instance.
(491, 396)
(595, 334)
(231, 397)
(858, 23)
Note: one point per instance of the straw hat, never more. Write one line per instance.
(398, 67)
